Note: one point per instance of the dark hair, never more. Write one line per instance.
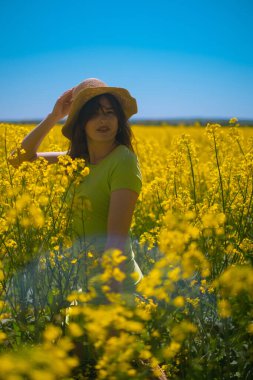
(78, 142)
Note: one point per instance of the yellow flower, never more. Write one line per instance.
(170, 351)
(131, 372)
(250, 328)
(51, 333)
(37, 374)
(85, 171)
(193, 301)
(7, 364)
(145, 354)
(43, 200)
(3, 336)
(174, 274)
(25, 222)
(233, 120)
(180, 331)
(135, 276)
(118, 274)
(179, 301)
(75, 330)
(224, 308)
(10, 243)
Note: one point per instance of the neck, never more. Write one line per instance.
(99, 150)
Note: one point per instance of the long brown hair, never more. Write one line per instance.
(78, 143)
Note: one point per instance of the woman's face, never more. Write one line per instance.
(102, 126)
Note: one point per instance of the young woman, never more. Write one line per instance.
(98, 129)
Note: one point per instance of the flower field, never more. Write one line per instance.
(192, 233)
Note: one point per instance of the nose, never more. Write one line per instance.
(102, 118)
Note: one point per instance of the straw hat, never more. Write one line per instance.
(89, 88)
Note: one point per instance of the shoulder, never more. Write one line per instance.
(125, 154)
(125, 159)
(125, 171)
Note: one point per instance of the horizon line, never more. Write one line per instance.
(139, 120)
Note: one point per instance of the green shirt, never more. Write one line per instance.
(120, 169)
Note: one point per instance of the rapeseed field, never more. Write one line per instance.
(192, 234)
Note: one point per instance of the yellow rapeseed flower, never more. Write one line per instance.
(170, 351)
(75, 330)
(179, 301)
(250, 328)
(224, 308)
(3, 336)
(233, 120)
(51, 333)
(118, 274)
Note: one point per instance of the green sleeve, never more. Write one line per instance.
(127, 174)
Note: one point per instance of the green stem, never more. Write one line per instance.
(193, 177)
(220, 176)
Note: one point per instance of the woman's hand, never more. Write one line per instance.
(62, 105)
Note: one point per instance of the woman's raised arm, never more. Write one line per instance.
(33, 140)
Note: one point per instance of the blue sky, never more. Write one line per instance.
(177, 58)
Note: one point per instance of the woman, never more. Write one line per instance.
(99, 132)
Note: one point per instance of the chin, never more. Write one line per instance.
(105, 138)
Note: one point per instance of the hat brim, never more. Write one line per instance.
(128, 104)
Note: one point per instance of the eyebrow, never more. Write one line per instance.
(107, 108)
